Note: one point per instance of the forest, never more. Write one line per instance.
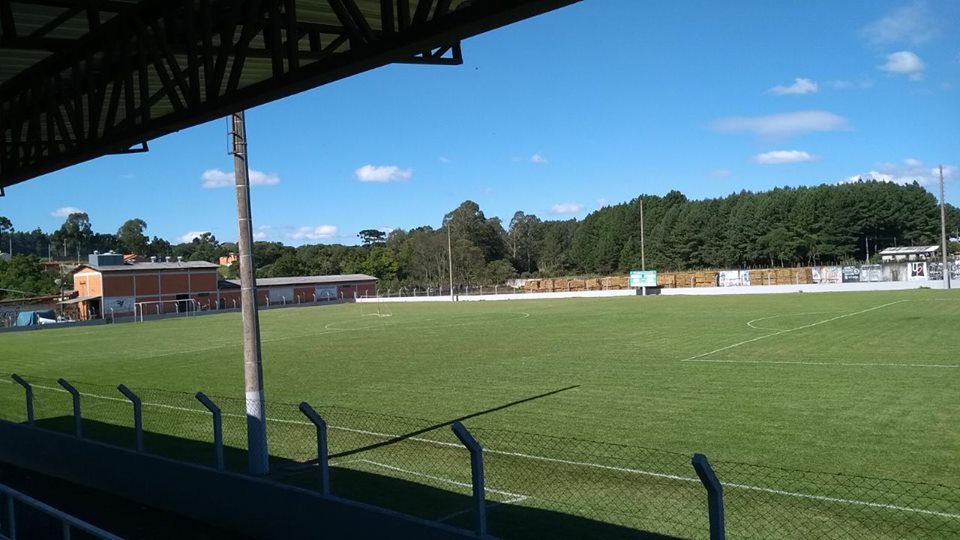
(826, 224)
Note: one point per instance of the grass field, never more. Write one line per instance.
(863, 384)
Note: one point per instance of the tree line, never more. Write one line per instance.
(826, 224)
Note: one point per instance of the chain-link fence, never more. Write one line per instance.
(535, 485)
(765, 502)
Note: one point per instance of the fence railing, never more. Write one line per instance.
(494, 481)
(11, 502)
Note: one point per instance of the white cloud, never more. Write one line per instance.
(215, 178)
(778, 157)
(188, 237)
(908, 171)
(720, 173)
(601, 202)
(538, 159)
(913, 24)
(383, 173)
(904, 63)
(566, 208)
(844, 84)
(444, 159)
(784, 124)
(261, 232)
(321, 232)
(799, 86)
(65, 211)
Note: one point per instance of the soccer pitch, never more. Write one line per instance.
(864, 384)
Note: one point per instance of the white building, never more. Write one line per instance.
(909, 253)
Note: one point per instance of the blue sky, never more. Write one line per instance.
(592, 104)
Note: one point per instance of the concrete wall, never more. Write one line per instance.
(753, 289)
(811, 288)
(254, 507)
(511, 296)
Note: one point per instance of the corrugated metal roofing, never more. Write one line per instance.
(148, 266)
(308, 280)
(909, 250)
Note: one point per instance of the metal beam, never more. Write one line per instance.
(150, 68)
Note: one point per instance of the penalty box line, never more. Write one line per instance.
(626, 470)
(698, 357)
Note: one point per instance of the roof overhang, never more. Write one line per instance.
(80, 79)
(79, 299)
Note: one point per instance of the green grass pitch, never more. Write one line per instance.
(854, 383)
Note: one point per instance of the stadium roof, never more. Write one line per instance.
(307, 280)
(81, 79)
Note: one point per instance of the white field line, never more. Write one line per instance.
(572, 463)
(781, 332)
(466, 485)
(751, 325)
(489, 505)
(848, 364)
(845, 501)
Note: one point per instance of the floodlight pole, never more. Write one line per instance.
(643, 258)
(257, 455)
(450, 260)
(943, 232)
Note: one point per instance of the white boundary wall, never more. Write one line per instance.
(696, 291)
(511, 296)
(809, 288)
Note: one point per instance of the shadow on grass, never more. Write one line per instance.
(438, 425)
(401, 495)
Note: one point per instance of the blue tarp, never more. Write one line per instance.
(30, 318)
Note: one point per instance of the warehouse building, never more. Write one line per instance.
(301, 290)
(106, 286)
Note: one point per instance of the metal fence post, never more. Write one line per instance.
(322, 454)
(11, 518)
(77, 420)
(476, 477)
(714, 495)
(217, 427)
(29, 392)
(137, 414)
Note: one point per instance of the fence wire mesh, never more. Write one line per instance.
(536, 485)
(765, 502)
(632, 488)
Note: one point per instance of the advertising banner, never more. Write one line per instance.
(871, 272)
(827, 274)
(643, 278)
(729, 278)
(326, 293)
(917, 271)
(120, 304)
(851, 274)
(745, 278)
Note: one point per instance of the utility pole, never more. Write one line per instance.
(643, 258)
(943, 232)
(257, 455)
(450, 259)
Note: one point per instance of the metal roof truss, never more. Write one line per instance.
(84, 78)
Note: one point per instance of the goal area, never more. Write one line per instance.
(159, 308)
(375, 308)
